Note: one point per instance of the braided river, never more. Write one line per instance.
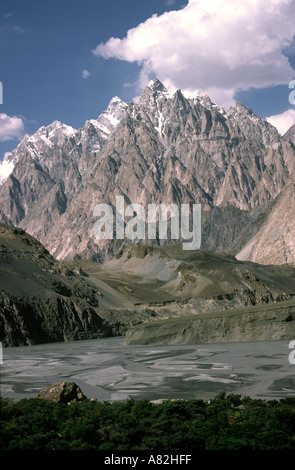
(109, 370)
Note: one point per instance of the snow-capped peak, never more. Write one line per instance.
(69, 131)
(55, 131)
(110, 118)
(157, 85)
(115, 108)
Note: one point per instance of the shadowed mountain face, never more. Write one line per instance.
(166, 148)
(45, 300)
(41, 300)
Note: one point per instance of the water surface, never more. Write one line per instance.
(107, 369)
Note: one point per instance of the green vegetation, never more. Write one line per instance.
(228, 422)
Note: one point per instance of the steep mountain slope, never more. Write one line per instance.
(45, 300)
(166, 148)
(195, 297)
(198, 280)
(290, 134)
(40, 299)
(275, 241)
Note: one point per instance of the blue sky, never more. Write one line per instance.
(58, 61)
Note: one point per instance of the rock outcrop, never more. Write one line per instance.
(62, 392)
(260, 323)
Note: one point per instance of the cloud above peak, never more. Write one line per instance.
(216, 46)
(283, 121)
(11, 127)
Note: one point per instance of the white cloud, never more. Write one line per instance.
(11, 128)
(85, 73)
(6, 169)
(216, 46)
(283, 121)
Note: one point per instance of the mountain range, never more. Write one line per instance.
(169, 148)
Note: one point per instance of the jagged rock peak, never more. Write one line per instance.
(155, 90)
(152, 91)
(116, 105)
(156, 85)
(172, 146)
(110, 118)
(241, 109)
(53, 129)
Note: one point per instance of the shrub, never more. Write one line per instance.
(225, 423)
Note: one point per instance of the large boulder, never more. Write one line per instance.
(62, 392)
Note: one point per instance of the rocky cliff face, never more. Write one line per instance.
(274, 242)
(250, 324)
(41, 300)
(166, 148)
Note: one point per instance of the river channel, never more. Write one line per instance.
(108, 369)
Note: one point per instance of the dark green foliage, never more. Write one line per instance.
(224, 423)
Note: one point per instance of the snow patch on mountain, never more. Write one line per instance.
(110, 118)
(180, 148)
(57, 135)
